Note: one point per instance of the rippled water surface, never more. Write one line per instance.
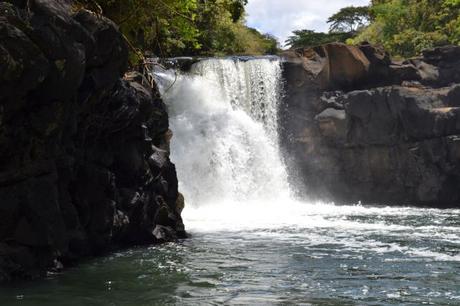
(296, 254)
(252, 244)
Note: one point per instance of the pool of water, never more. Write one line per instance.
(274, 254)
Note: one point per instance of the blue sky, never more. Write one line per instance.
(281, 17)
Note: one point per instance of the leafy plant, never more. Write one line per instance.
(309, 38)
(406, 27)
(184, 27)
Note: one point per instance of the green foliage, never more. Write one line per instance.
(451, 18)
(406, 27)
(349, 19)
(344, 25)
(236, 9)
(250, 41)
(185, 27)
(309, 38)
(410, 42)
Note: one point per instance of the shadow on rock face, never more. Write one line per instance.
(358, 127)
(76, 140)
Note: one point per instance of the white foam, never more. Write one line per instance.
(225, 144)
(224, 116)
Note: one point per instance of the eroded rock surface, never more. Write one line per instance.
(359, 127)
(84, 150)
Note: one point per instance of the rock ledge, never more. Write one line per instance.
(360, 127)
(84, 148)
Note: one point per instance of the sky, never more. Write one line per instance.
(281, 17)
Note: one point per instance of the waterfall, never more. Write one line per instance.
(224, 118)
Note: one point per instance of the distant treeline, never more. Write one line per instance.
(185, 27)
(403, 27)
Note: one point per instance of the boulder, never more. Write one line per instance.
(345, 66)
(359, 127)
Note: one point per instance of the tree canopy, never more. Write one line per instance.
(343, 25)
(186, 27)
(403, 27)
(406, 27)
(349, 19)
(309, 38)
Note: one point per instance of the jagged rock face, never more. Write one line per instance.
(371, 130)
(84, 152)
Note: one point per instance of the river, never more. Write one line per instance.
(252, 242)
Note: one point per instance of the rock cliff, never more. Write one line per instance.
(358, 126)
(84, 148)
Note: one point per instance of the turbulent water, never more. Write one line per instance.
(252, 243)
(224, 119)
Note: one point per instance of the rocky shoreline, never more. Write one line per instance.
(359, 127)
(84, 147)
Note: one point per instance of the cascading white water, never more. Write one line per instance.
(251, 243)
(224, 118)
(225, 146)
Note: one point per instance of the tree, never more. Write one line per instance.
(309, 38)
(344, 25)
(407, 27)
(271, 43)
(404, 27)
(349, 19)
(183, 27)
(236, 9)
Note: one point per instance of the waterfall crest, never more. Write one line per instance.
(224, 118)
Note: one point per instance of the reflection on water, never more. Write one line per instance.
(322, 255)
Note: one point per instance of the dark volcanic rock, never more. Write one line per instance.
(358, 127)
(76, 141)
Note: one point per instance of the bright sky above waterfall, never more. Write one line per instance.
(281, 17)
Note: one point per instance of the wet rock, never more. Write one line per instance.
(180, 203)
(22, 63)
(106, 52)
(25, 234)
(333, 124)
(75, 142)
(164, 233)
(379, 132)
(181, 63)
